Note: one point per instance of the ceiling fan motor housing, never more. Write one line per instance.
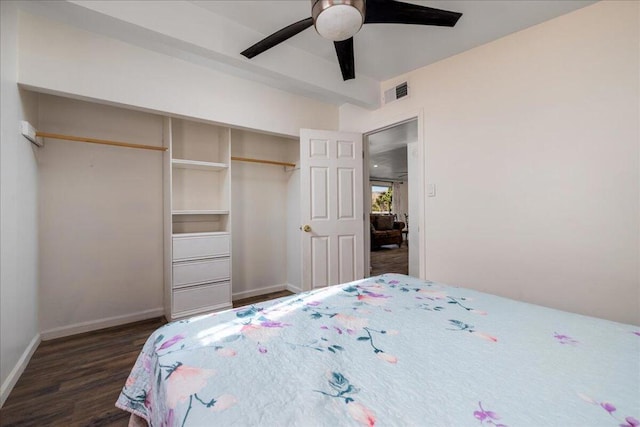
(337, 20)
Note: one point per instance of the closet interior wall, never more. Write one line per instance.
(264, 204)
(100, 218)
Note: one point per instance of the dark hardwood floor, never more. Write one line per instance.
(390, 259)
(260, 298)
(75, 381)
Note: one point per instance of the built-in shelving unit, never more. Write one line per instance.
(197, 218)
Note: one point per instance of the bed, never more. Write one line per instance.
(389, 350)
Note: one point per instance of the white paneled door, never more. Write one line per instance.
(332, 229)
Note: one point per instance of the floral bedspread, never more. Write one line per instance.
(388, 350)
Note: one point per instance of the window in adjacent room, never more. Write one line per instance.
(381, 197)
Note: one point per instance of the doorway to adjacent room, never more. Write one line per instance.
(392, 181)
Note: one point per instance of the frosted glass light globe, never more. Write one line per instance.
(338, 22)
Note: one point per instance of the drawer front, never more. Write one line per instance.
(194, 272)
(198, 297)
(200, 247)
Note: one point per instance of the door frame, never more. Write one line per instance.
(418, 229)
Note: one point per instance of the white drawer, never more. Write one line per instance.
(192, 247)
(194, 298)
(194, 272)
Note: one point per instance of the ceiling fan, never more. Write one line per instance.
(339, 20)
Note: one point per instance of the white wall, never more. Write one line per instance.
(60, 59)
(533, 143)
(100, 218)
(18, 215)
(260, 203)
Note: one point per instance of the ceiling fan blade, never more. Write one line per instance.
(277, 37)
(344, 49)
(395, 12)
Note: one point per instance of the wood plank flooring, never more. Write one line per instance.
(260, 298)
(390, 259)
(75, 381)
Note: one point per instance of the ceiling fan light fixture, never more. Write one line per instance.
(338, 20)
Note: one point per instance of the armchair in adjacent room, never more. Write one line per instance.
(385, 230)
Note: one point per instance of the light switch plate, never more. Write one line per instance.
(431, 190)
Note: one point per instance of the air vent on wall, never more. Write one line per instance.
(397, 92)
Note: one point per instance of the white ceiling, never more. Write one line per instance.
(213, 33)
(388, 151)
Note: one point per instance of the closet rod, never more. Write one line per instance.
(99, 141)
(267, 162)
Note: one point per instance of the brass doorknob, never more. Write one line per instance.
(306, 228)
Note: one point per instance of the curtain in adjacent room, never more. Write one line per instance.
(400, 204)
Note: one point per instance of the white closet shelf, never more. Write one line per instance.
(201, 234)
(196, 164)
(200, 212)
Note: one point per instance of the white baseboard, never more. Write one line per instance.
(256, 292)
(93, 325)
(294, 289)
(17, 370)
